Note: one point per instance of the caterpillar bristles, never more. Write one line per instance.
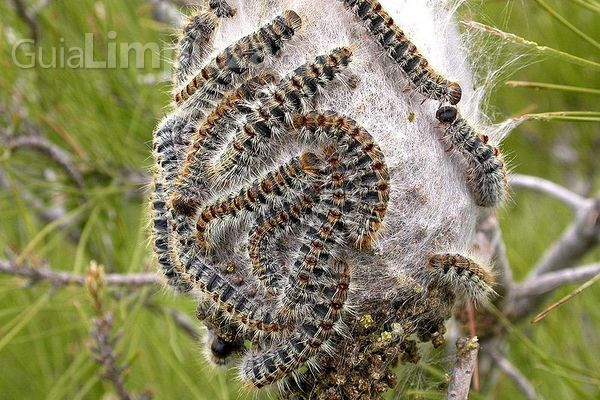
(264, 367)
(233, 300)
(269, 230)
(237, 59)
(253, 200)
(275, 111)
(187, 192)
(400, 49)
(462, 276)
(221, 8)
(486, 172)
(363, 158)
(195, 42)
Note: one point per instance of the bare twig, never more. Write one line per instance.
(61, 278)
(43, 145)
(562, 301)
(513, 373)
(105, 354)
(580, 237)
(466, 359)
(561, 193)
(28, 18)
(551, 281)
(473, 333)
(577, 240)
(185, 323)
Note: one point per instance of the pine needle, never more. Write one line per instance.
(573, 116)
(566, 23)
(551, 86)
(562, 301)
(544, 50)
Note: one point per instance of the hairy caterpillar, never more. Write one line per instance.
(288, 98)
(400, 49)
(463, 276)
(207, 138)
(486, 173)
(238, 58)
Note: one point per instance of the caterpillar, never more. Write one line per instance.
(252, 200)
(399, 48)
(463, 276)
(289, 98)
(237, 59)
(196, 37)
(486, 171)
(187, 189)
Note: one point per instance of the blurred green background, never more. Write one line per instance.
(104, 119)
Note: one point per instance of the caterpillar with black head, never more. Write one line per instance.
(486, 170)
(399, 48)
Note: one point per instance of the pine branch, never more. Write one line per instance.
(105, 354)
(466, 361)
(514, 374)
(577, 240)
(552, 189)
(40, 144)
(62, 278)
(551, 281)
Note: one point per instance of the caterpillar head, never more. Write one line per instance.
(446, 114)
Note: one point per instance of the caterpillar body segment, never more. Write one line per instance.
(255, 200)
(462, 276)
(235, 299)
(169, 140)
(486, 172)
(222, 73)
(310, 336)
(191, 182)
(161, 238)
(221, 8)
(361, 158)
(268, 231)
(399, 48)
(195, 42)
(269, 119)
